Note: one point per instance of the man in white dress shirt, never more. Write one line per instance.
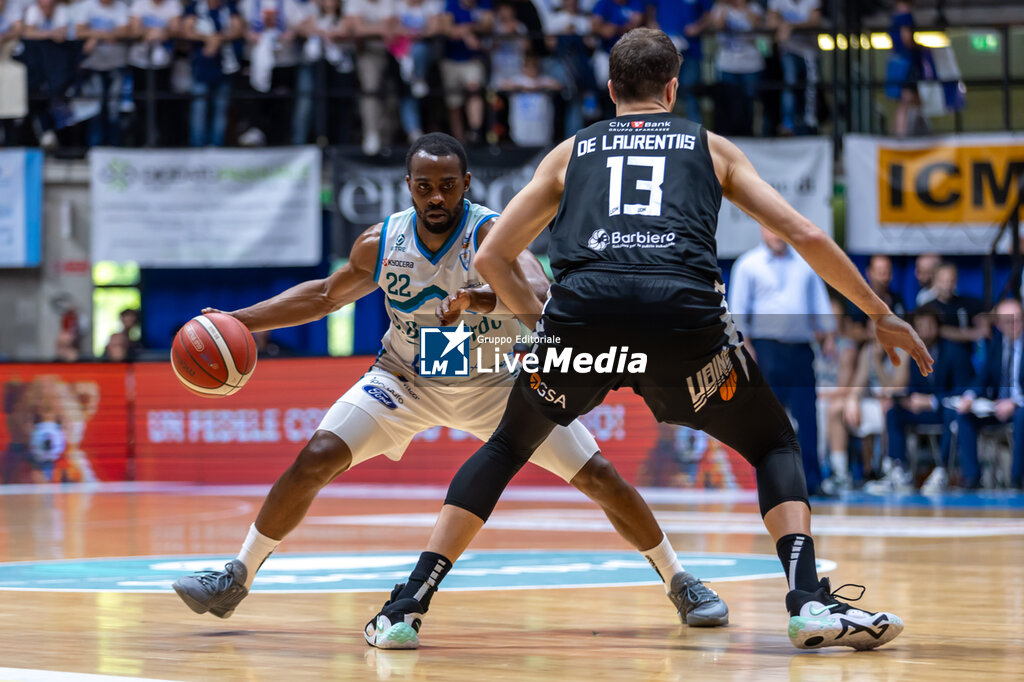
(781, 306)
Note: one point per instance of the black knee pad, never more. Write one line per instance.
(780, 475)
(479, 482)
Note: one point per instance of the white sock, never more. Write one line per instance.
(255, 550)
(664, 560)
(840, 463)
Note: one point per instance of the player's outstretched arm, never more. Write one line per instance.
(482, 299)
(316, 298)
(744, 187)
(526, 215)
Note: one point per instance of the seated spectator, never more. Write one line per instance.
(119, 348)
(275, 29)
(45, 26)
(531, 113)
(925, 267)
(418, 22)
(875, 380)
(879, 277)
(68, 346)
(834, 381)
(739, 63)
(211, 25)
(104, 25)
(611, 20)
(922, 403)
(153, 24)
(463, 72)
(684, 21)
(1000, 381)
(961, 317)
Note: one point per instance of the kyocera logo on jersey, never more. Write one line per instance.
(601, 239)
(392, 263)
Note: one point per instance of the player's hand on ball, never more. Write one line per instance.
(453, 306)
(207, 311)
(893, 333)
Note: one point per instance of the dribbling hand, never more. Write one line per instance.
(893, 333)
(453, 306)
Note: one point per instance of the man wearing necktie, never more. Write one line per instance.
(999, 380)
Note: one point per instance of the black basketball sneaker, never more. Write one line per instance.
(215, 591)
(397, 624)
(818, 619)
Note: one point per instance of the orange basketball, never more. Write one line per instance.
(728, 388)
(213, 355)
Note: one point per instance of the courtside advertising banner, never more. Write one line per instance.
(206, 207)
(252, 436)
(21, 192)
(943, 194)
(64, 423)
(368, 190)
(800, 169)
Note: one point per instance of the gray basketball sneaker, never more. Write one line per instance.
(698, 605)
(215, 591)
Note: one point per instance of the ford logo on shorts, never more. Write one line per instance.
(381, 396)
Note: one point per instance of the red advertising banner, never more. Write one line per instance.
(252, 436)
(64, 423)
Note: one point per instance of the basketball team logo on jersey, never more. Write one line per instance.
(444, 351)
(715, 375)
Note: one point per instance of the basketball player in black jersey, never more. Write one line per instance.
(635, 203)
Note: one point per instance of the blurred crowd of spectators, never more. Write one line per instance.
(248, 72)
(864, 421)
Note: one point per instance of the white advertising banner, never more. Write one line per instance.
(21, 186)
(800, 169)
(206, 207)
(943, 194)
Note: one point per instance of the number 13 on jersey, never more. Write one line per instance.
(651, 186)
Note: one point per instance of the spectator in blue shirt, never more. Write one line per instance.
(684, 21)
(463, 73)
(211, 25)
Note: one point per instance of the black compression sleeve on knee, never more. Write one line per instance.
(780, 476)
(479, 482)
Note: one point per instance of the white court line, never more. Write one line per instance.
(36, 675)
(594, 521)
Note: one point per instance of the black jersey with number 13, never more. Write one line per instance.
(641, 196)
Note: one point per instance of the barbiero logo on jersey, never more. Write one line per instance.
(599, 240)
(444, 351)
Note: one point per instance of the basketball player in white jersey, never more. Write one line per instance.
(423, 260)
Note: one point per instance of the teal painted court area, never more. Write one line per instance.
(379, 571)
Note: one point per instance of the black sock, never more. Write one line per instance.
(429, 572)
(796, 552)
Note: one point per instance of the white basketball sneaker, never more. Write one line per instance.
(818, 619)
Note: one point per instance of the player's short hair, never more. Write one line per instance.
(642, 63)
(437, 144)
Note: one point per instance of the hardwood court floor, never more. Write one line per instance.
(954, 573)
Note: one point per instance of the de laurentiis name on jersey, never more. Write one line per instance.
(632, 141)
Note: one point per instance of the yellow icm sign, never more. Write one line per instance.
(970, 185)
